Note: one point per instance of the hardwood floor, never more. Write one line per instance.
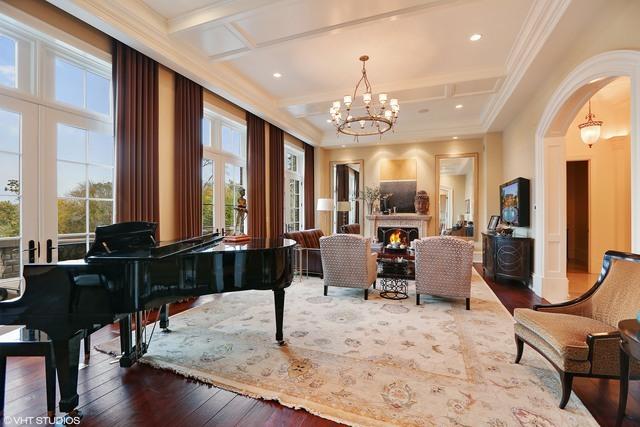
(143, 396)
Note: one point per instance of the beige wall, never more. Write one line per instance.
(60, 19)
(375, 155)
(166, 154)
(614, 28)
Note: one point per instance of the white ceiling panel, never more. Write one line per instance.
(211, 40)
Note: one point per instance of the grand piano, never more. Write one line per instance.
(124, 274)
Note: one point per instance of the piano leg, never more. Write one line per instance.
(126, 359)
(164, 318)
(67, 353)
(278, 295)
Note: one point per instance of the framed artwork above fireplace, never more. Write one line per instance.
(398, 178)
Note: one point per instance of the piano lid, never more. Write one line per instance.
(136, 240)
(255, 244)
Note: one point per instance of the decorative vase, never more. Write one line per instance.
(421, 203)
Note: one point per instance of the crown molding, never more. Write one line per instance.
(134, 23)
(406, 137)
(540, 22)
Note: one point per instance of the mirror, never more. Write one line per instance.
(457, 184)
(347, 179)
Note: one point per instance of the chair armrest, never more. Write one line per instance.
(598, 336)
(574, 306)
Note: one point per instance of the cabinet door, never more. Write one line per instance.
(510, 258)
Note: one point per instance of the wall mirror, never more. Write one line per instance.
(456, 205)
(347, 180)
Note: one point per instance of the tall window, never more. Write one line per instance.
(8, 62)
(224, 162)
(294, 186)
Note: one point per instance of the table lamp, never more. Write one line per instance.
(344, 207)
(325, 205)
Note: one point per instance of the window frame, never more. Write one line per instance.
(220, 158)
(298, 175)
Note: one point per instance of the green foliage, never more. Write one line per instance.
(9, 219)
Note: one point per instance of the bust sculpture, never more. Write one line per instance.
(421, 203)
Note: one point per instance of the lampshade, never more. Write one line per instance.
(343, 206)
(325, 205)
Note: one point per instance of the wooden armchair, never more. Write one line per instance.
(580, 337)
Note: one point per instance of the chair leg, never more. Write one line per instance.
(567, 381)
(468, 300)
(417, 298)
(366, 294)
(326, 290)
(519, 349)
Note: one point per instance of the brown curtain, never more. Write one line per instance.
(276, 181)
(342, 190)
(135, 83)
(188, 156)
(256, 205)
(309, 187)
(356, 191)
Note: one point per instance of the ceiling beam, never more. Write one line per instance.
(353, 23)
(399, 86)
(221, 12)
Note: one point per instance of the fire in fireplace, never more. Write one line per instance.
(399, 235)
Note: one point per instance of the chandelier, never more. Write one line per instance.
(590, 130)
(377, 118)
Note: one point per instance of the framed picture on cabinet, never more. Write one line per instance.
(493, 222)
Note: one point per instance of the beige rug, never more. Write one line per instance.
(376, 362)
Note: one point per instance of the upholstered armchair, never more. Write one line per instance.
(350, 229)
(347, 261)
(580, 337)
(443, 267)
(309, 241)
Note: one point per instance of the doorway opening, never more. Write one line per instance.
(578, 216)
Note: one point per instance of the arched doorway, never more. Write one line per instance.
(550, 278)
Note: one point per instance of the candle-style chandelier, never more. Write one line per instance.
(377, 118)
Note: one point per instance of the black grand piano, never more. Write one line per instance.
(127, 272)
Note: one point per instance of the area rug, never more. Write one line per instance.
(369, 363)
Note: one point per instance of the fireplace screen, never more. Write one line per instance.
(399, 235)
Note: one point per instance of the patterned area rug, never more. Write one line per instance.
(376, 362)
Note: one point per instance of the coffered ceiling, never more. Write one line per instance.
(420, 51)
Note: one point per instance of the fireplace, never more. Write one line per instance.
(400, 235)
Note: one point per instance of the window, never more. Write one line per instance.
(78, 87)
(8, 62)
(294, 186)
(232, 141)
(85, 162)
(208, 193)
(233, 182)
(224, 148)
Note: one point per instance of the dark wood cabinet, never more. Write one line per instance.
(507, 257)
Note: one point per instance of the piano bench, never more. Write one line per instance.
(25, 342)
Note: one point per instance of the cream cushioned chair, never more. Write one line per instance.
(580, 337)
(347, 261)
(443, 267)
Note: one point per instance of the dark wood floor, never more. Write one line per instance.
(142, 396)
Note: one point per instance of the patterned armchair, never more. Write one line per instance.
(443, 267)
(580, 337)
(347, 261)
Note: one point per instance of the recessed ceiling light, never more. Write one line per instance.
(455, 137)
(459, 106)
(343, 145)
(328, 120)
(475, 37)
(277, 75)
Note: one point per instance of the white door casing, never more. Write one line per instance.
(550, 279)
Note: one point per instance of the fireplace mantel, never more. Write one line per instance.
(421, 222)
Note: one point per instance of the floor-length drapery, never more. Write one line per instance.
(309, 187)
(188, 156)
(256, 188)
(276, 181)
(135, 83)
